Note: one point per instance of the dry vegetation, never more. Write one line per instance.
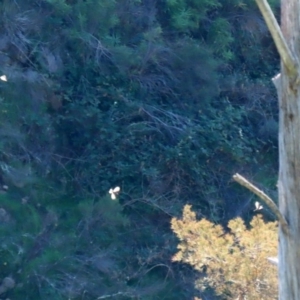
(234, 261)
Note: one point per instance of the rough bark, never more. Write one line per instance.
(287, 83)
(288, 89)
(289, 190)
(289, 159)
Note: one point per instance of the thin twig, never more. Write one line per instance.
(273, 260)
(277, 82)
(115, 295)
(265, 198)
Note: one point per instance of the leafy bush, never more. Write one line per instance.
(233, 261)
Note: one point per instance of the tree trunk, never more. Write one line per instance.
(289, 159)
(287, 84)
(289, 191)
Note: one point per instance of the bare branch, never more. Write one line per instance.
(265, 198)
(276, 81)
(114, 295)
(286, 55)
(273, 260)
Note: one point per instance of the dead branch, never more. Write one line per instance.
(115, 295)
(265, 198)
(286, 55)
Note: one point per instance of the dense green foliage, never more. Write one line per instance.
(166, 99)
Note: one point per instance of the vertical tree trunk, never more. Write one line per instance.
(289, 158)
(287, 41)
(289, 191)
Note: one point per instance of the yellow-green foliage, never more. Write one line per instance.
(235, 262)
